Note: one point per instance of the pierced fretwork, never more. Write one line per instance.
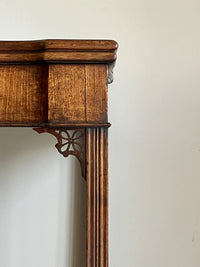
(70, 142)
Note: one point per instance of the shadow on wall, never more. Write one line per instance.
(42, 203)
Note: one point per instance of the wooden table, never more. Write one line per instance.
(60, 87)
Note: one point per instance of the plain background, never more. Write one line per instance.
(154, 107)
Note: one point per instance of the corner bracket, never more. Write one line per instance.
(70, 142)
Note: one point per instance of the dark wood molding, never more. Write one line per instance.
(58, 51)
(60, 87)
(55, 125)
(59, 45)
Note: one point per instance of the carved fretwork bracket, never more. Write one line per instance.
(70, 142)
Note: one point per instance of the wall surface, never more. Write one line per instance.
(154, 107)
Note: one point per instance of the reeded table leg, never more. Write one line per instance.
(90, 146)
(97, 196)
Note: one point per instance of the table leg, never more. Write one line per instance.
(97, 196)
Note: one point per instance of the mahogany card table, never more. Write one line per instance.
(60, 87)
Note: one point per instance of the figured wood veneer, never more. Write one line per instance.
(23, 93)
(73, 96)
(63, 93)
(57, 86)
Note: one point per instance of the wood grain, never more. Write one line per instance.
(55, 94)
(23, 94)
(96, 92)
(58, 51)
(66, 93)
(77, 93)
(97, 197)
(59, 45)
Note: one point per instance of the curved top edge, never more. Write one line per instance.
(59, 45)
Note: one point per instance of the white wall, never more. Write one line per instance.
(154, 140)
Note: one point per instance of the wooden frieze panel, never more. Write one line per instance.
(77, 93)
(23, 93)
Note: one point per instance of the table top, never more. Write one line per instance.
(58, 51)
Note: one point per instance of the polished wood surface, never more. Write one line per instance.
(97, 197)
(23, 93)
(55, 93)
(77, 93)
(60, 87)
(60, 51)
(71, 88)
